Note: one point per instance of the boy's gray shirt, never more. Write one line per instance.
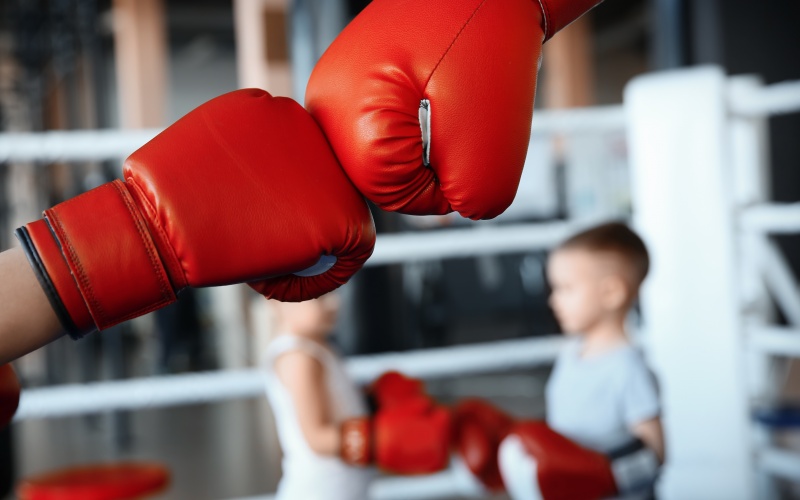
(596, 400)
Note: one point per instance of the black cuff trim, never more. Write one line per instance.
(632, 447)
(46, 283)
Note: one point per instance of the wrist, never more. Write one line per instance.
(356, 441)
(52, 272)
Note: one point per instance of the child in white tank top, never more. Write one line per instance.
(311, 394)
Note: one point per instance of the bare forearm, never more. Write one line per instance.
(652, 435)
(27, 322)
(324, 439)
(303, 377)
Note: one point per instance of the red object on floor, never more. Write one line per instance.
(118, 481)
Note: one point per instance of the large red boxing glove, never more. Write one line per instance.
(478, 430)
(9, 394)
(409, 435)
(428, 103)
(245, 188)
(538, 463)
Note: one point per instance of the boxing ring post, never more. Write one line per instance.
(684, 208)
(208, 387)
(767, 279)
(697, 143)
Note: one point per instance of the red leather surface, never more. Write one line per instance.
(9, 394)
(560, 13)
(121, 481)
(246, 188)
(475, 60)
(566, 470)
(478, 430)
(412, 437)
(110, 254)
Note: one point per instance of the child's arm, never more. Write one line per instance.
(303, 377)
(27, 322)
(652, 435)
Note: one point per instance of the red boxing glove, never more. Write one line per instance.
(9, 394)
(428, 103)
(409, 437)
(562, 469)
(245, 188)
(393, 388)
(478, 430)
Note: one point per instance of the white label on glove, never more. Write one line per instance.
(425, 127)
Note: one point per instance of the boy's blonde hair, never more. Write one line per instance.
(617, 239)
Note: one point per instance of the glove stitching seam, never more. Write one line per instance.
(434, 180)
(154, 260)
(545, 17)
(447, 50)
(164, 237)
(86, 286)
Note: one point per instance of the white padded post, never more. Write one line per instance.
(683, 204)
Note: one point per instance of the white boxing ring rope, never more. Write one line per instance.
(96, 145)
(775, 460)
(72, 145)
(772, 218)
(776, 99)
(478, 240)
(778, 340)
(171, 390)
(89, 145)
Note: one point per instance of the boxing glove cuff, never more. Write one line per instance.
(357, 441)
(558, 14)
(97, 261)
(44, 255)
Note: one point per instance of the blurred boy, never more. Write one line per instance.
(603, 414)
